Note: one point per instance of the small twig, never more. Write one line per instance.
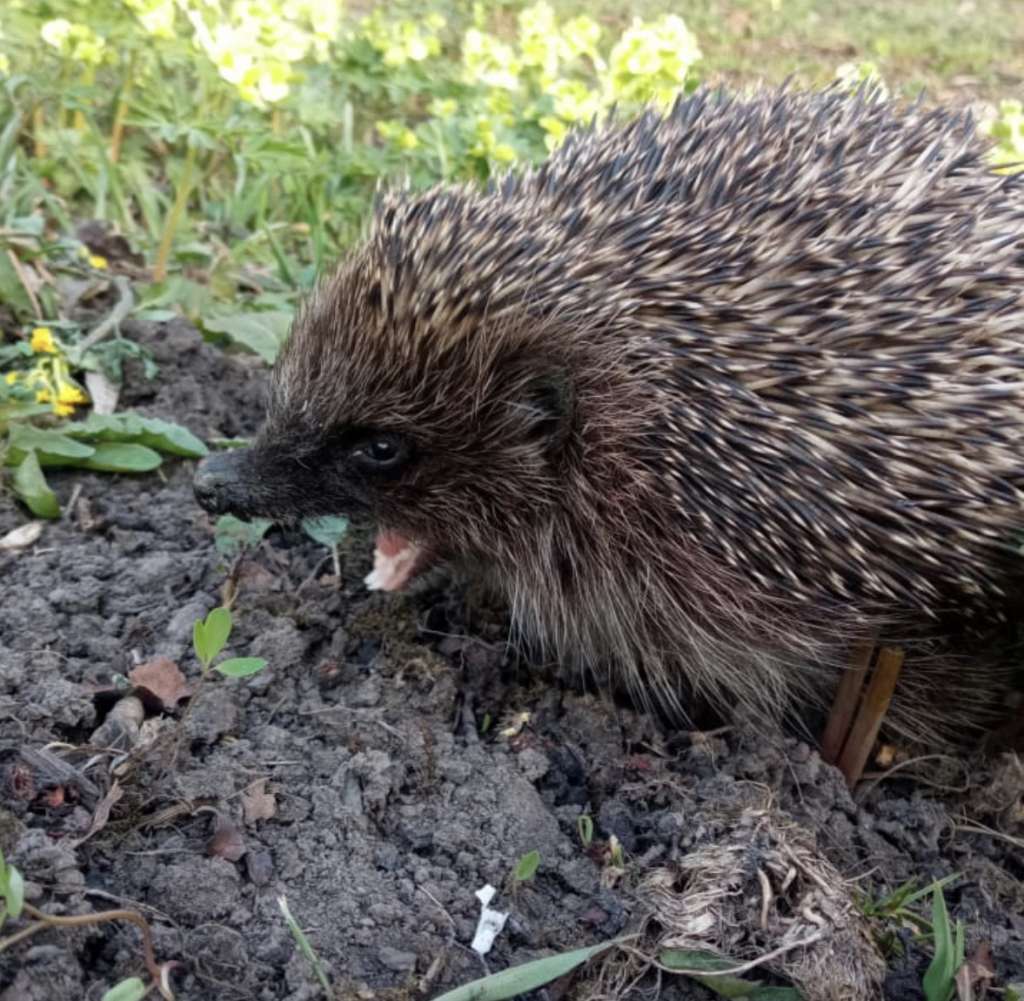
(872, 711)
(69, 511)
(846, 701)
(766, 898)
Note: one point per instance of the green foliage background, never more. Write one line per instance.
(236, 144)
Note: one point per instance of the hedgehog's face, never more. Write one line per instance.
(452, 449)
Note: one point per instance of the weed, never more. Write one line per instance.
(585, 829)
(526, 867)
(304, 944)
(939, 981)
(12, 891)
(132, 989)
(945, 938)
(896, 909)
(209, 637)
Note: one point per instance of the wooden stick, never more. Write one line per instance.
(846, 701)
(872, 711)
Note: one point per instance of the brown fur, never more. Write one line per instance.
(713, 396)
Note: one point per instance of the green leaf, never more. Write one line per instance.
(31, 487)
(526, 867)
(52, 448)
(520, 979)
(14, 892)
(241, 667)
(938, 980)
(263, 333)
(164, 436)
(304, 945)
(114, 457)
(12, 291)
(727, 986)
(1014, 992)
(209, 636)
(585, 826)
(328, 530)
(231, 534)
(17, 410)
(132, 989)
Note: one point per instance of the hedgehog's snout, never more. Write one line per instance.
(219, 483)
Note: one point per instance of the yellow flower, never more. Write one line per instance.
(98, 262)
(42, 341)
(11, 377)
(70, 393)
(42, 396)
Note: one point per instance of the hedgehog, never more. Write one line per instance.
(711, 396)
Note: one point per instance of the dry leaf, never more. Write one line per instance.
(257, 803)
(227, 841)
(22, 536)
(978, 969)
(102, 814)
(162, 678)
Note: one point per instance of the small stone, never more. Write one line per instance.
(396, 959)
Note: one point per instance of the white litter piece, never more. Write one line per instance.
(491, 922)
(103, 392)
(23, 536)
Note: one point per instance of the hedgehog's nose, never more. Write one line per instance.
(216, 482)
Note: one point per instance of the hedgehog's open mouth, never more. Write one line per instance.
(396, 561)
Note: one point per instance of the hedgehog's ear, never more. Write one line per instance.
(549, 400)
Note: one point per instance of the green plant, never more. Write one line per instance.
(209, 637)
(526, 867)
(132, 989)
(115, 443)
(245, 142)
(585, 829)
(12, 891)
(946, 939)
(304, 945)
(896, 909)
(527, 977)
(939, 981)
(1006, 128)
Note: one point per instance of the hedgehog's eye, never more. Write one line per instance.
(380, 452)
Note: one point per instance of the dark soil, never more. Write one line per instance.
(387, 732)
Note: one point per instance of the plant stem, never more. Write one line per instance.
(183, 722)
(44, 921)
(88, 79)
(38, 121)
(117, 131)
(177, 210)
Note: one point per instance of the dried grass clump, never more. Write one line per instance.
(761, 897)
